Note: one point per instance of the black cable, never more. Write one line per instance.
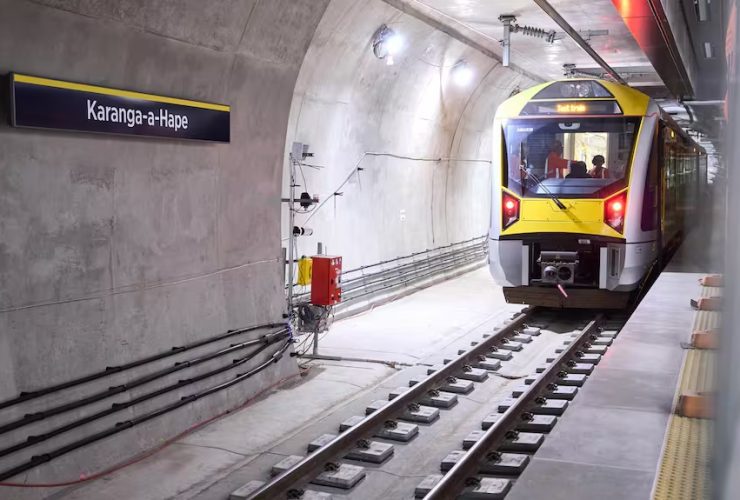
(28, 395)
(111, 391)
(37, 460)
(116, 407)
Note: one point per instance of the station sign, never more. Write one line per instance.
(55, 104)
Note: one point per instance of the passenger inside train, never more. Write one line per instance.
(578, 171)
(599, 171)
(555, 164)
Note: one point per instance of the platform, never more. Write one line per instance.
(609, 443)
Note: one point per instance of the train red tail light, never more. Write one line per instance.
(509, 210)
(614, 211)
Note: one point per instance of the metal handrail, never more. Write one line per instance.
(406, 272)
(384, 285)
(480, 239)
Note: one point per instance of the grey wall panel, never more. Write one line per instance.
(112, 248)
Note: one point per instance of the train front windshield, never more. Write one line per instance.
(568, 157)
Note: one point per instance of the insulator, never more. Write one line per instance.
(534, 32)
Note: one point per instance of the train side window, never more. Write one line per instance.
(650, 198)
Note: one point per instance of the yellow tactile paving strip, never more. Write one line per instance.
(698, 371)
(684, 470)
(684, 467)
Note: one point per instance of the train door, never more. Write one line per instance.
(651, 197)
(661, 148)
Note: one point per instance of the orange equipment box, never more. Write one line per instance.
(325, 280)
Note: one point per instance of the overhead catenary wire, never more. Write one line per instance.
(560, 20)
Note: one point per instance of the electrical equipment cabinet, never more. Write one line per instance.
(325, 280)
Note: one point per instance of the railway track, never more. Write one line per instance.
(495, 454)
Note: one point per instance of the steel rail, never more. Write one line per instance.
(453, 482)
(314, 464)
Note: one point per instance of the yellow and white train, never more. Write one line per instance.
(593, 186)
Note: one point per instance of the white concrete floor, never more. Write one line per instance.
(415, 329)
(417, 326)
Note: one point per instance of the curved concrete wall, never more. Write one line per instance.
(112, 248)
(348, 102)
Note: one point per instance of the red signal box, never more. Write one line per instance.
(325, 282)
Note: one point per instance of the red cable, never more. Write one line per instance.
(83, 478)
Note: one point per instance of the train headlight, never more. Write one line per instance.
(509, 210)
(614, 211)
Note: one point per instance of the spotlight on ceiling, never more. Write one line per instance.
(387, 44)
(462, 74)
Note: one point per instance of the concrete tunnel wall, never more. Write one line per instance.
(112, 248)
(115, 247)
(348, 102)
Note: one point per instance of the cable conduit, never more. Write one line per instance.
(116, 407)
(178, 366)
(410, 271)
(29, 395)
(347, 283)
(37, 460)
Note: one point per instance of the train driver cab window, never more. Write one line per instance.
(545, 156)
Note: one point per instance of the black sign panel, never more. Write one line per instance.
(55, 104)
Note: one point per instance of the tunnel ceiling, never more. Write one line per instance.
(618, 48)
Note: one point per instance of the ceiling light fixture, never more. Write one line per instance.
(387, 44)
(462, 74)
